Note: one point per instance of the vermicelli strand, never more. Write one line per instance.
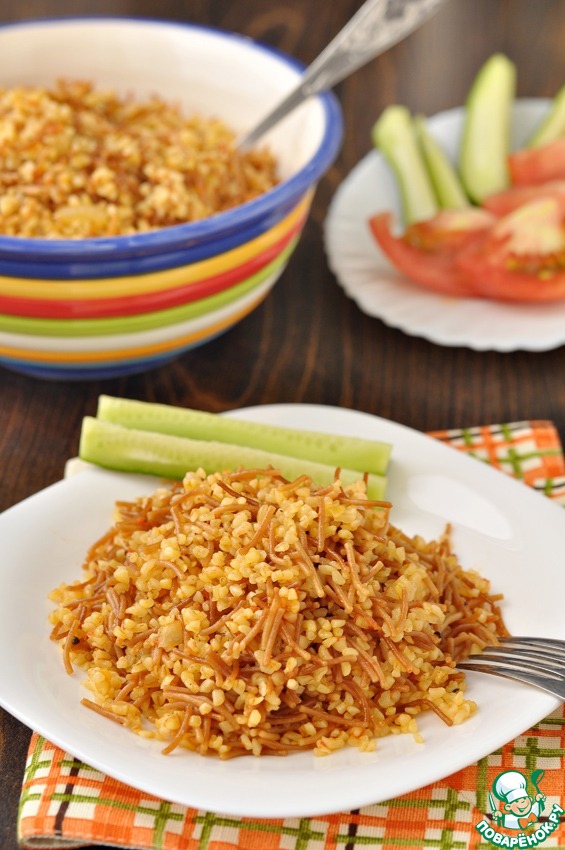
(357, 693)
(174, 743)
(67, 647)
(142, 636)
(349, 562)
(173, 567)
(321, 523)
(306, 562)
(103, 711)
(365, 503)
(431, 705)
(222, 620)
(273, 557)
(254, 631)
(272, 635)
(303, 653)
(261, 530)
(244, 614)
(331, 718)
(272, 613)
(402, 660)
(237, 495)
(294, 485)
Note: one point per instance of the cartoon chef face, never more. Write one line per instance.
(510, 787)
(519, 807)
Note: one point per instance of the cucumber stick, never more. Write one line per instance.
(486, 129)
(553, 125)
(448, 187)
(394, 135)
(131, 450)
(329, 449)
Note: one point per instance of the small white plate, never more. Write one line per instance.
(380, 291)
(511, 534)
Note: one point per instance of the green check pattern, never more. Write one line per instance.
(67, 804)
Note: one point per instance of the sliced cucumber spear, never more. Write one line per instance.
(330, 449)
(130, 450)
(448, 187)
(486, 128)
(553, 125)
(394, 135)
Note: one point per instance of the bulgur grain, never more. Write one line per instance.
(244, 657)
(79, 162)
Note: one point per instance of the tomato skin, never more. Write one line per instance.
(504, 202)
(531, 166)
(522, 256)
(499, 283)
(448, 230)
(518, 257)
(427, 252)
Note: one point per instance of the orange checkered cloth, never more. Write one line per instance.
(67, 804)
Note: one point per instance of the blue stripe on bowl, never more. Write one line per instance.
(97, 371)
(144, 264)
(138, 253)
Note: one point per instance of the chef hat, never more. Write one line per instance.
(510, 786)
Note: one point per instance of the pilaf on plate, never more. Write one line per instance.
(240, 613)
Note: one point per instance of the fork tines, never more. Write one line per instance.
(535, 661)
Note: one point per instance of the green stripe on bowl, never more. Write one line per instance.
(143, 321)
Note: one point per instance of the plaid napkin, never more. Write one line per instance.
(66, 804)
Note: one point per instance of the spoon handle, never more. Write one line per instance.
(378, 25)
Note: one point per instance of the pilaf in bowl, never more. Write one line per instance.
(123, 193)
(211, 76)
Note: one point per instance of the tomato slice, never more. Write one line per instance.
(522, 256)
(426, 252)
(505, 202)
(538, 165)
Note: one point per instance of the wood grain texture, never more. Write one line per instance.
(308, 342)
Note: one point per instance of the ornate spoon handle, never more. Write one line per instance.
(378, 25)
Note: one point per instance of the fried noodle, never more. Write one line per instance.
(240, 613)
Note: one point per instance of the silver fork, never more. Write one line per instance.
(535, 661)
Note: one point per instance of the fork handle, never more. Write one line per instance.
(378, 25)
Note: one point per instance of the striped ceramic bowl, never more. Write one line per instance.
(106, 306)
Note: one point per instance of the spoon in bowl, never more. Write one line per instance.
(378, 25)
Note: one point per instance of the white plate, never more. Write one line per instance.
(379, 290)
(514, 536)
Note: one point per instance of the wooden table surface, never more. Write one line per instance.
(308, 342)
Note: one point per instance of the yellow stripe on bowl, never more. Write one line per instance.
(32, 327)
(61, 290)
(200, 330)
